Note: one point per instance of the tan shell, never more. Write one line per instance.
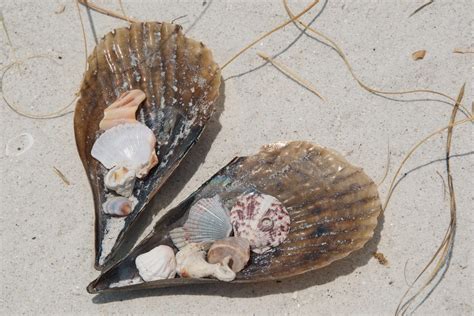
(123, 109)
(181, 83)
(238, 249)
(333, 206)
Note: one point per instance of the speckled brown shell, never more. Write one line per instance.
(181, 82)
(333, 206)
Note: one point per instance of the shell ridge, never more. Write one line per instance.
(113, 72)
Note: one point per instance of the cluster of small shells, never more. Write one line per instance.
(259, 222)
(126, 148)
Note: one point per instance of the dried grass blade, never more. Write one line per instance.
(61, 175)
(421, 8)
(292, 19)
(444, 252)
(341, 53)
(95, 7)
(290, 73)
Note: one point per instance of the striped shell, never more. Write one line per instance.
(128, 145)
(333, 207)
(181, 83)
(208, 220)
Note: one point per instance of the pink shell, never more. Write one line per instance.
(261, 219)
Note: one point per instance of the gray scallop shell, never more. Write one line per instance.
(208, 221)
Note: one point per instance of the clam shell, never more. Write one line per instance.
(208, 220)
(157, 264)
(130, 145)
(181, 83)
(333, 207)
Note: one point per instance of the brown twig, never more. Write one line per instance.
(61, 175)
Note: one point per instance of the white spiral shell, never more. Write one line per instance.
(208, 220)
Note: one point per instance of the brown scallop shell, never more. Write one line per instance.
(181, 82)
(333, 206)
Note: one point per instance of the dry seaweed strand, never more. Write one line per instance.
(292, 19)
(443, 254)
(123, 11)
(61, 175)
(290, 73)
(421, 8)
(336, 47)
(463, 51)
(444, 185)
(387, 166)
(17, 109)
(95, 7)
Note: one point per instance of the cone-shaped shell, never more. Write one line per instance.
(333, 208)
(181, 83)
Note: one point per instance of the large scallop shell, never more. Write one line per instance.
(181, 82)
(333, 207)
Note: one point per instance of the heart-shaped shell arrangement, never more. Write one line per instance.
(291, 208)
(145, 99)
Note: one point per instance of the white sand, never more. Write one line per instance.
(47, 227)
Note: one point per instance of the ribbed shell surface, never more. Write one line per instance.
(333, 207)
(181, 82)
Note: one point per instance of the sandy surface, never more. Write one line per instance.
(47, 226)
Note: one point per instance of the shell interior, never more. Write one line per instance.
(333, 206)
(181, 82)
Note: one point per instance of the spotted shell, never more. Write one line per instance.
(261, 219)
(181, 83)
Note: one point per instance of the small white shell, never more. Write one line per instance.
(130, 145)
(157, 264)
(120, 180)
(117, 206)
(208, 220)
(191, 263)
